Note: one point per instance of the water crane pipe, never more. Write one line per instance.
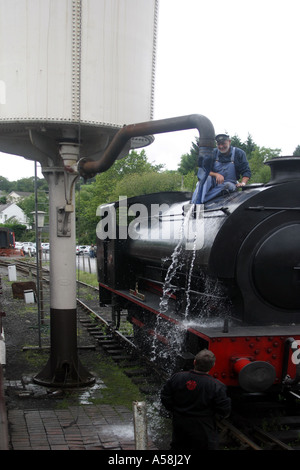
(87, 168)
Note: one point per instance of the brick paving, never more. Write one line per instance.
(84, 427)
(39, 420)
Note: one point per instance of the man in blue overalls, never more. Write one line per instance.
(229, 165)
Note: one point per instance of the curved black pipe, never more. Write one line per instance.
(88, 168)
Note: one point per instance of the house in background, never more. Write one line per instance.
(10, 213)
(16, 196)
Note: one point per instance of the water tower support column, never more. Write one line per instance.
(63, 368)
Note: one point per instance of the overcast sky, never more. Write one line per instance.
(234, 61)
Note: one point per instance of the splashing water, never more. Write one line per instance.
(174, 337)
(188, 290)
(204, 306)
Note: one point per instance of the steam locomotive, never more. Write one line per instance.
(7, 242)
(224, 275)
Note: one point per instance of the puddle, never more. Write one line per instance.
(125, 431)
(89, 394)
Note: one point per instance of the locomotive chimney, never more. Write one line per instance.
(284, 169)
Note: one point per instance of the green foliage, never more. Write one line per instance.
(147, 183)
(103, 190)
(189, 161)
(131, 176)
(28, 205)
(88, 278)
(297, 151)
(5, 185)
(189, 181)
(260, 172)
(24, 184)
(248, 146)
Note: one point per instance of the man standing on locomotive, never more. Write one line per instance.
(229, 165)
(195, 400)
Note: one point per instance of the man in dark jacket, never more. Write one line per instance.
(195, 400)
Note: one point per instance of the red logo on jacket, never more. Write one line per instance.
(191, 385)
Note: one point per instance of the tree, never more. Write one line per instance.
(146, 183)
(103, 190)
(297, 151)
(5, 185)
(189, 181)
(248, 146)
(260, 172)
(189, 161)
(28, 205)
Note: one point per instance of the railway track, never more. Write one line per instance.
(255, 438)
(280, 432)
(115, 341)
(264, 424)
(119, 345)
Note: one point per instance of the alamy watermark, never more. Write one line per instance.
(176, 222)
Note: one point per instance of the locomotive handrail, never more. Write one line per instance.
(267, 208)
(87, 168)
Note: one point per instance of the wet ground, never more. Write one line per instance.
(98, 417)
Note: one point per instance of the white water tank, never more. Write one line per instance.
(70, 67)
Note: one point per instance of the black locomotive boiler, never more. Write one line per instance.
(224, 275)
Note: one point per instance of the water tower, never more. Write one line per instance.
(72, 73)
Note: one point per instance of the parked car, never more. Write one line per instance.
(45, 247)
(29, 248)
(82, 249)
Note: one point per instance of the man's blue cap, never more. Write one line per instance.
(221, 137)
